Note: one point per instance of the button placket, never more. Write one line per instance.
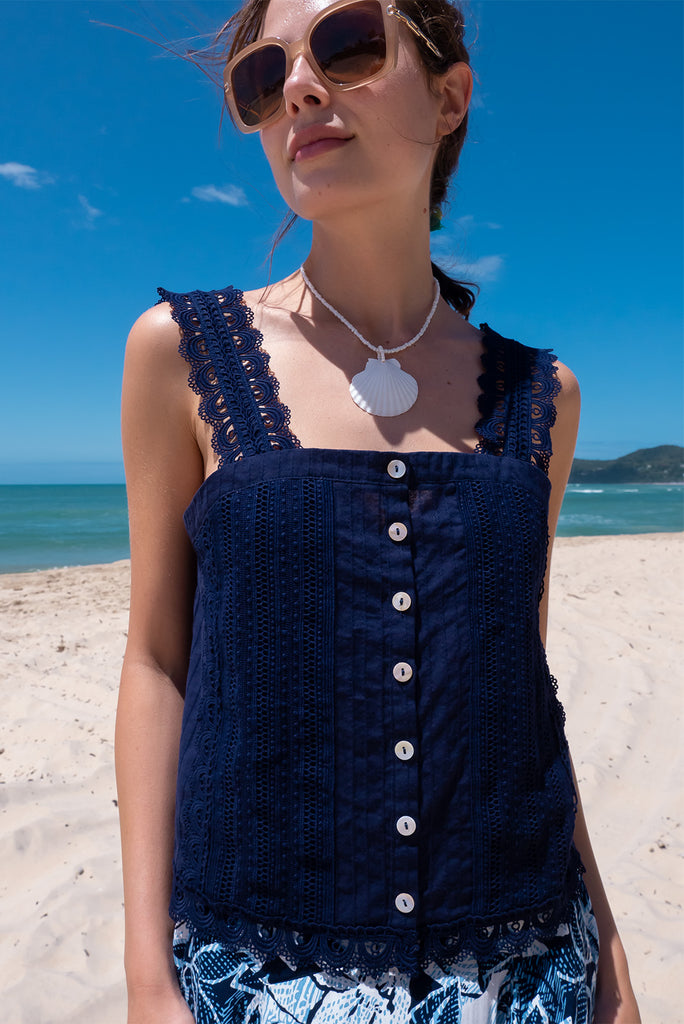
(402, 764)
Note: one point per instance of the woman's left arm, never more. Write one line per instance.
(615, 1000)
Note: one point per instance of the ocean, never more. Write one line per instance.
(49, 525)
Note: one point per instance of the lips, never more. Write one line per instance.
(315, 139)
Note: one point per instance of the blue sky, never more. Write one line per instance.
(114, 179)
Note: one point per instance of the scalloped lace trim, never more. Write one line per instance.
(492, 401)
(546, 387)
(205, 382)
(372, 949)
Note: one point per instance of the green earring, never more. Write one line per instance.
(436, 219)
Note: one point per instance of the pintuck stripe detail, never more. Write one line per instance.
(267, 684)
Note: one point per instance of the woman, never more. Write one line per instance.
(374, 808)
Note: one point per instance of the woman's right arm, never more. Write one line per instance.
(164, 467)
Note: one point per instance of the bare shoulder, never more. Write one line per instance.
(154, 336)
(564, 431)
(570, 389)
(154, 366)
(155, 378)
(568, 403)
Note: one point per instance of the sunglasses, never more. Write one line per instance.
(349, 44)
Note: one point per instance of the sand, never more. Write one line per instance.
(616, 645)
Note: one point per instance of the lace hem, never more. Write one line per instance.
(338, 950)
(210, 376)
(509, 366)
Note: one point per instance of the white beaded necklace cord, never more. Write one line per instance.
(382, 388)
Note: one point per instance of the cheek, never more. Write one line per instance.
(269, 144)
(273, 145)
(408, 107)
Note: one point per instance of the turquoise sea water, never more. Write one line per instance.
(44, 526)
(621, 508)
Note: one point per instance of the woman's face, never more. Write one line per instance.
(332, 151)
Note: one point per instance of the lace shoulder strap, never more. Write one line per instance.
(516, 403)
(229, 371)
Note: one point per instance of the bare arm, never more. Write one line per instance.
(163, 470)
(615, 1001)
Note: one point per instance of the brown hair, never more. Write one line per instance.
(443, 23)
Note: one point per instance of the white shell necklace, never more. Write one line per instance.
(383, 388)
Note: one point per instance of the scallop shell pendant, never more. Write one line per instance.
(383, 388)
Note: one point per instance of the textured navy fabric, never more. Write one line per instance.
(373, 767)
(548, 982)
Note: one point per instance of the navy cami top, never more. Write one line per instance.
(373, 768)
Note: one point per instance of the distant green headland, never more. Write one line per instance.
(663, 464)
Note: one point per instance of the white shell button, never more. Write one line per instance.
(404, 902)
(401, 601)
(404, 750)
(398, 531)
(396, 468)
(406, 825)
(402, 672)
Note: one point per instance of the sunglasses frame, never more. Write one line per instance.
(391, 16)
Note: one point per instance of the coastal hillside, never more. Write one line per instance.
(663, 464)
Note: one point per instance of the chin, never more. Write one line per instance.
(320, 197)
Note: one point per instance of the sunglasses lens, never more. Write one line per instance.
(257, 84)
(350, 45)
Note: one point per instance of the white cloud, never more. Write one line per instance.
(91, 212)
(442, 242)
(230, 194)
(24, 176)
(468, 221)
(486, 268)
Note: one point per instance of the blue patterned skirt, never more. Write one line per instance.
(553, 982)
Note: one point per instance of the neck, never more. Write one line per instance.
(379, 279)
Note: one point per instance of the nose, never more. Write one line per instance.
(303, 87)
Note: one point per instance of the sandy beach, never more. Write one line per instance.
(616, 645)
